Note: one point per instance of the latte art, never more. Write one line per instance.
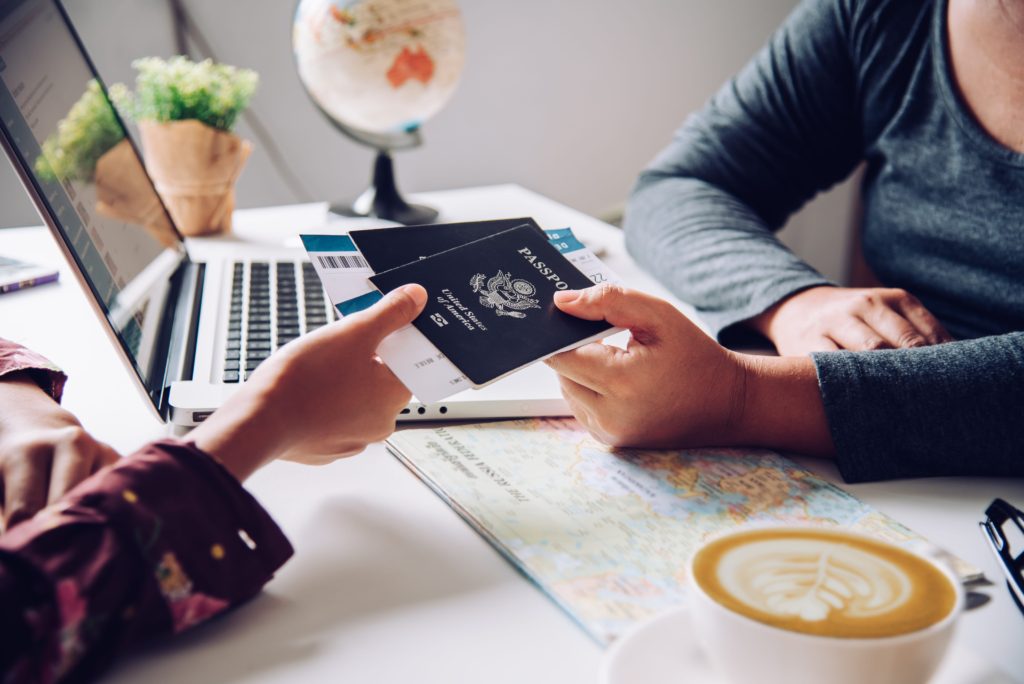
(823, 582)
(812, 580)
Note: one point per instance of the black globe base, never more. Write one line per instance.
(383, 200)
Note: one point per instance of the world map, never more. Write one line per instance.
(607, 534)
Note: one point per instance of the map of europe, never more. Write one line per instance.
(607, 534)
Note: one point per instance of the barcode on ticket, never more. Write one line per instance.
(338, 261)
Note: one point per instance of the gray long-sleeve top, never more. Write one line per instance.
(841, 82)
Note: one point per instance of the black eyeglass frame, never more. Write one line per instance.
(998, 513)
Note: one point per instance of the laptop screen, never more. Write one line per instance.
(71, 147)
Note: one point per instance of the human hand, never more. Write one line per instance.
(321, 397)
(44, 450)
(675, 387)
(830, 318)
(672, 386)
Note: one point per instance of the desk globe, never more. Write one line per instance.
(377, 69)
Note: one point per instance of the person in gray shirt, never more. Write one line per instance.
(922, 377)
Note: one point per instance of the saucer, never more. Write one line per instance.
(664, 650)
(661, 650)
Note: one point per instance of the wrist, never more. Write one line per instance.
(22, 399)
(781, 405)
(243, 434)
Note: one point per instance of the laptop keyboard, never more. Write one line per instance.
(272, 303)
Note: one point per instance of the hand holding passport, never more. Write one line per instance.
(490, 307)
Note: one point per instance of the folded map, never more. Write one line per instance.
(607, 533)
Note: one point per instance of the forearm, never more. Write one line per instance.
(20, 397)
(703, 215)
(178, 540)
(17, 360)
(711, 250)
(241, 434)
(949, 409)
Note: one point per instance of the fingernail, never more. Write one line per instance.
(415, 292)
(566, 296)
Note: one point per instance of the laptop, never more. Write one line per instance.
(191, 331)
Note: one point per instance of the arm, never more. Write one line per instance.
(702, 217)
(167, 538)
(951, 409)
(945, 410)
(126, 556)
(17, 359)
(674, 387)
(44, 451)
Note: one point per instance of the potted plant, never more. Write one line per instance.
(185, 111)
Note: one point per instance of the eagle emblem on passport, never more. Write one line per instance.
(506, 296)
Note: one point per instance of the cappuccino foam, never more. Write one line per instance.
(824, 582)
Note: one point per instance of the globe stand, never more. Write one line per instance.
(382, 199)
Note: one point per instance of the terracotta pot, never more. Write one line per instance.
(194, 168)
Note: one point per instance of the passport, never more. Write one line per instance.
(387, 248)
(490, 305)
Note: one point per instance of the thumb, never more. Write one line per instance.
(618, 305)
(396, 310)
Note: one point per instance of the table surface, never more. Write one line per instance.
(388, 584)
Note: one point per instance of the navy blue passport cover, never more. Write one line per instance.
(387, 248)
(490, 306)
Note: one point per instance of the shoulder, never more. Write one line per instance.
(888, 42)
(880, 29)
(874, 46)
(871, 30)
(879, 40)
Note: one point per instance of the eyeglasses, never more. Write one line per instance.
(996, 531)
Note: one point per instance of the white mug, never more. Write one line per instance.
(745, 650)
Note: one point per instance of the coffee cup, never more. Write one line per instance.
(789, 605)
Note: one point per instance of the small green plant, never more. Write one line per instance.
(178, 88)
(88, 131)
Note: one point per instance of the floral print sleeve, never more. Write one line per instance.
(14, 358)
(160, 542)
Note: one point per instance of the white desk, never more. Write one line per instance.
(388, 584)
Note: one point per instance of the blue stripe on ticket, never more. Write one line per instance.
(328, 243)
(357, 304)
(563, 240)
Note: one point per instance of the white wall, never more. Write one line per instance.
(569, 98)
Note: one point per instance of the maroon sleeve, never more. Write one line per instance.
(155, 544)
(14, 358)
